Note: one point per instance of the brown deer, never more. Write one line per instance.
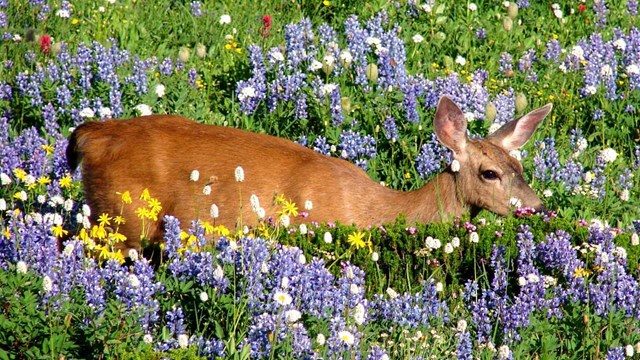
(159, 152)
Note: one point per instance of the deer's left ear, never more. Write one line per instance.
(516, 133)
(450, 126)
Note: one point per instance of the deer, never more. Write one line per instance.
(160, 152)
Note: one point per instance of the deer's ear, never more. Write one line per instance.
(450, 126)
(516, 133)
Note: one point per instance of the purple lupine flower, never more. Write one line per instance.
(390, 129)
(525, 64)
(355, 146)
(464, 347)
(358, 47)
(411, 310)
(524, 4)
(553, 50)
(324, 301)
(377, 353)
(600, 10)
(320, 145)
(335, 104)
(431, 157)
(571, 174)
(636, 158)
(481, 33)
(632, 7)
(166, 67)
(196, 8)
(546, 160)
(480, 315)
(506, 64)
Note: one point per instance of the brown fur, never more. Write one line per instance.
(159, 152)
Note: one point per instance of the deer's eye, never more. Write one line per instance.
(489, 175)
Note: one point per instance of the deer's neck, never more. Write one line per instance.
(440, 199)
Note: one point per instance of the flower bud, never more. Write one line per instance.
(346, 104)
(372, 72)
(507, 24)
(183, 54)
(201, 51)
(521, 102)
(512, 10)
(490, 112)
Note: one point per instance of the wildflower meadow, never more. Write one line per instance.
(358, 80)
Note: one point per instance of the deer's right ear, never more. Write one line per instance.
(451, 126)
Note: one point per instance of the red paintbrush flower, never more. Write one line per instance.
(45, 43)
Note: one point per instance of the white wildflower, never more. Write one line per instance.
(629, 351)
(624, 195)
(515, 202)
(225, 19)
(448, 248)
(609, 155)
(455, 165)
(606, 70)
(47, 284)
(87, 113)
(292, 315)
(285, 220)
(218, 273)
(474, 237)
(213, 211)
(439, 287)
(315, 65)
(346, 337)
(354, 289)
(392, 293)
(105, 112)
(144, 109)
(134, 281)
(547, 193)
(204, 296)
(359, 314)
(578, 52)
(160, 90)
(21, 267)
(504, 352)
(147, 338)
(417, 38)
(5, 179)
(308, 205)
(302, 259)
(635, 240)
(328, 239)
(460, 60)
(375, 256)
(345, 57)
(633, 69)
(455, 241)
(321, 339)
(620, 44)
(282, 298)
(133, 255)
(239, 173)
(183, 341)
(462, 325)
(247, 92)
(3, 204)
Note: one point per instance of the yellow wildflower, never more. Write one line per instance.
(65, 182)
(44, 180)
(145, 195)
(6, 233)
(581, 272)
(117, 237)
(356, 239)
(75, 21)
(126, 197)
(154, 205)
(58, 231)
(289, 208)
(104, 219)
(119, 220)
(326, 3)
(20, 174)
(47, 148)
